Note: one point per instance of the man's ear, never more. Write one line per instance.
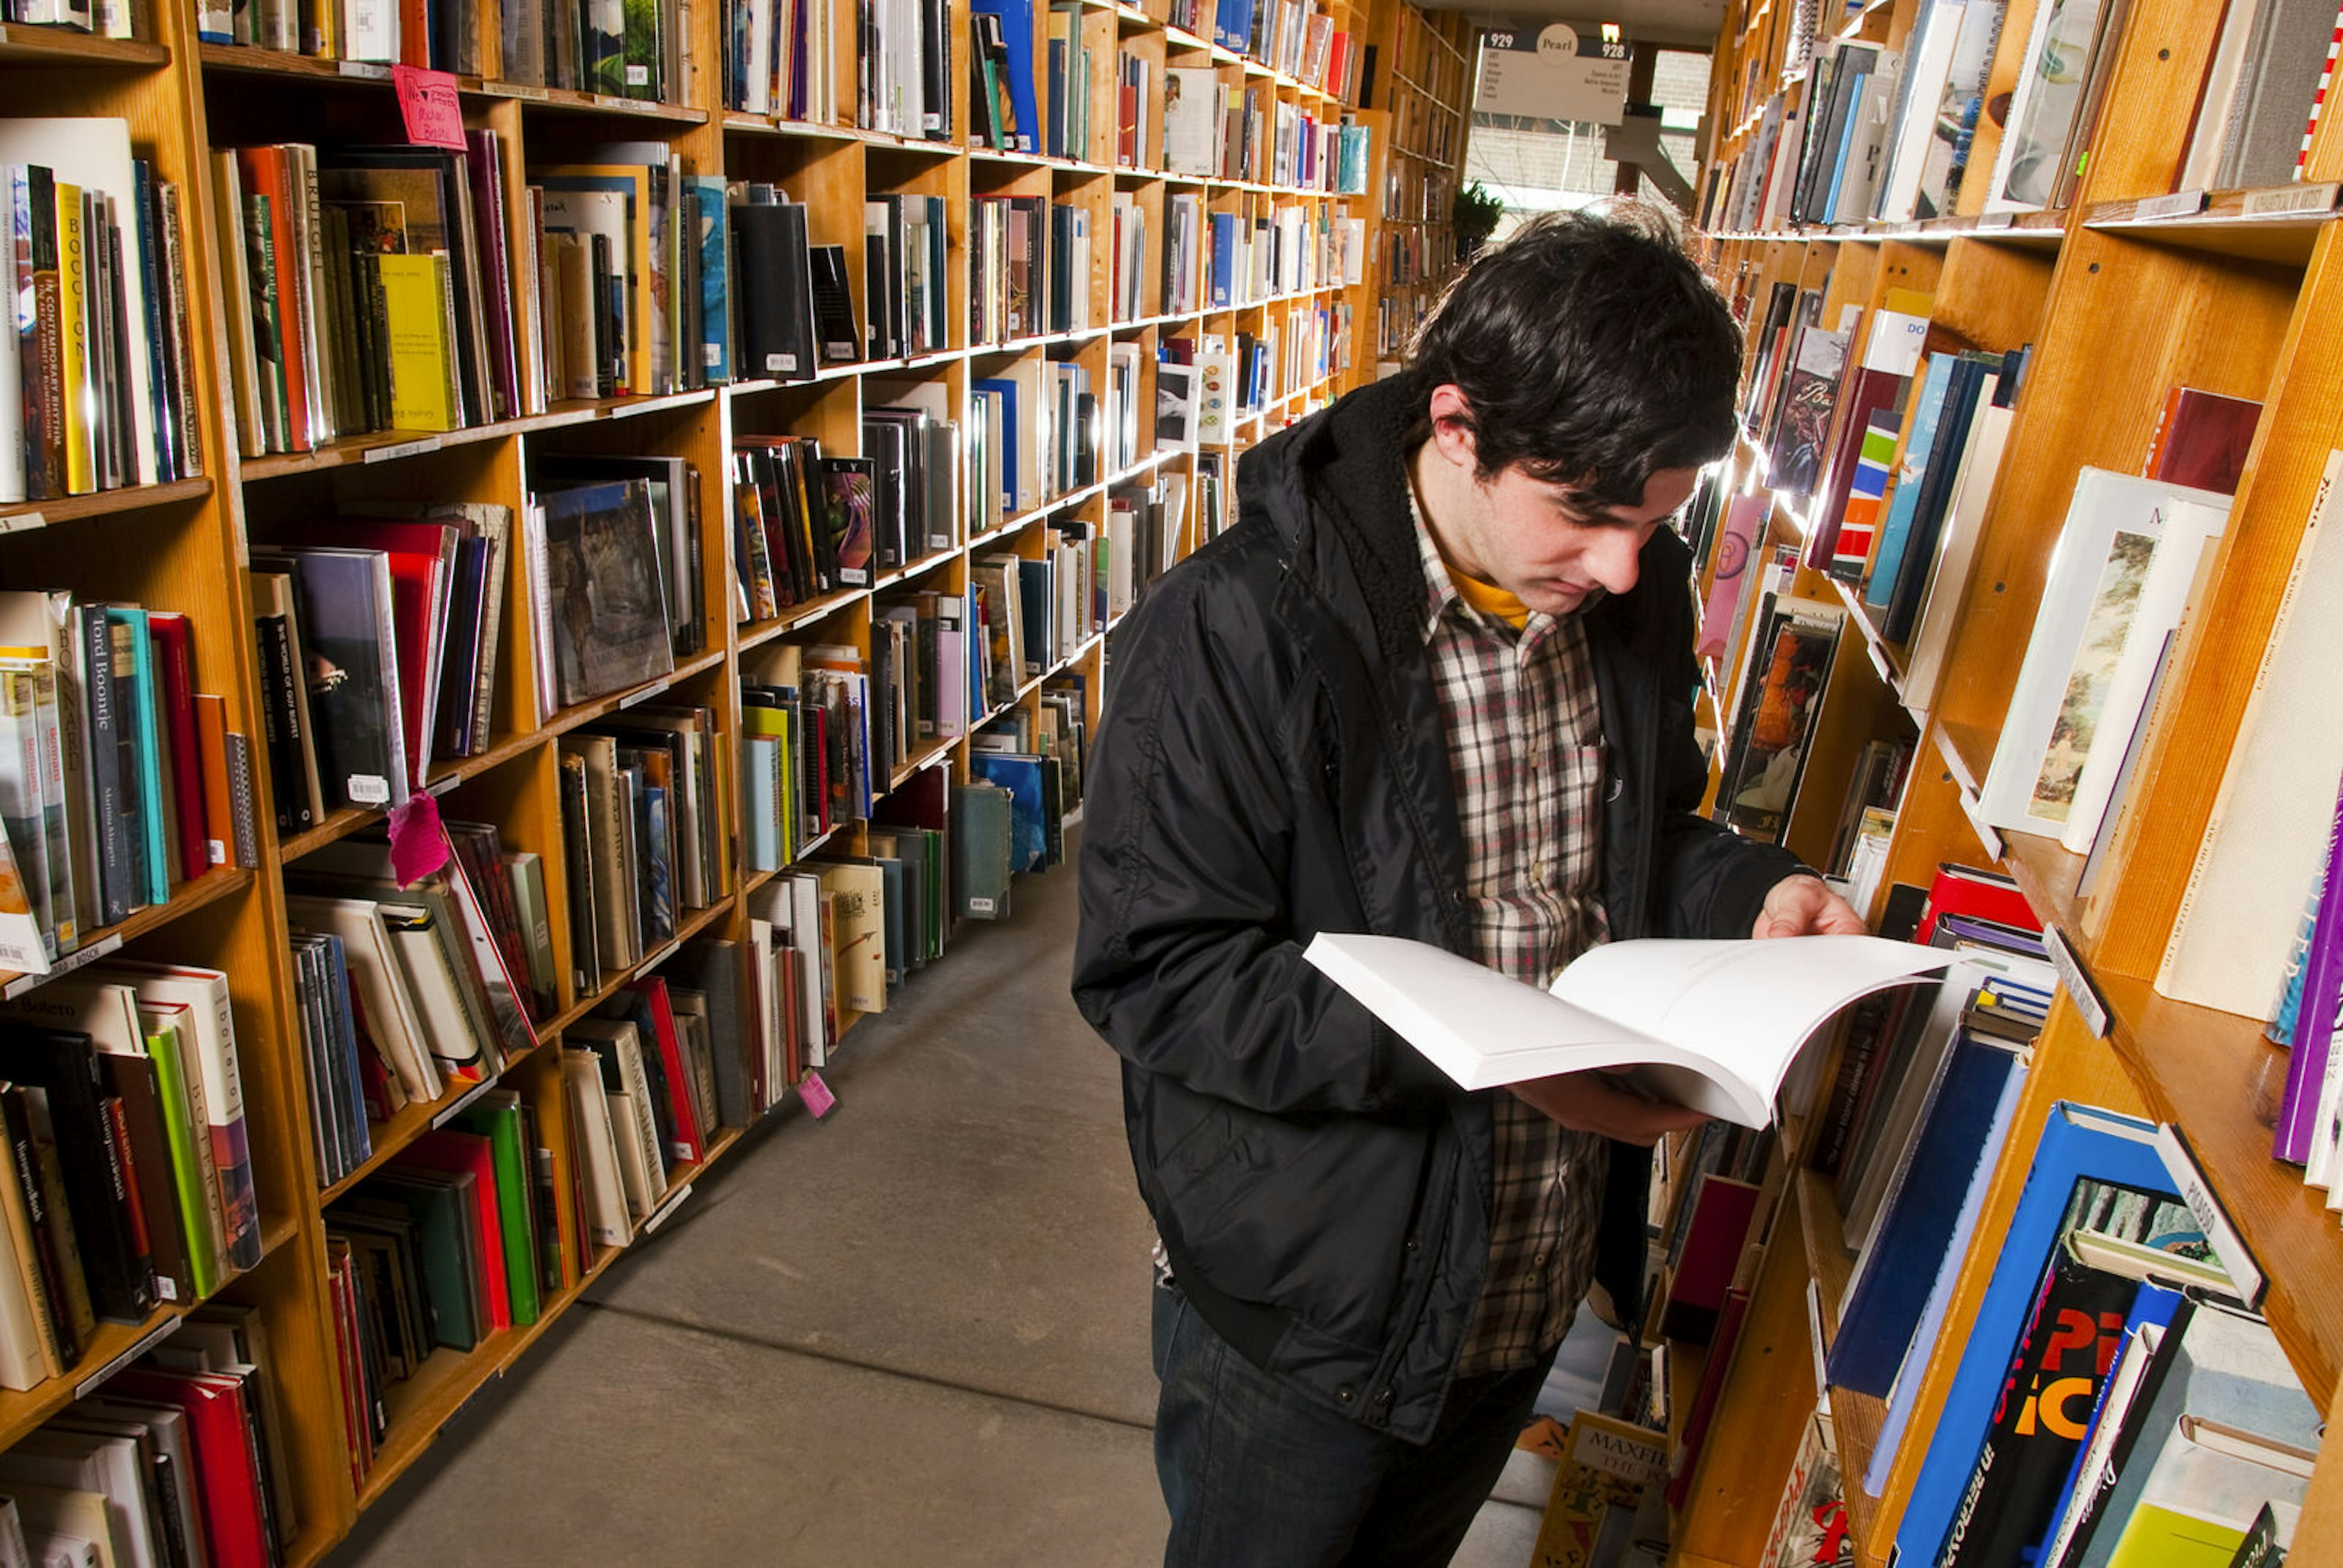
(1452, 427)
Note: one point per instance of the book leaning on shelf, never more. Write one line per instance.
(97, 386)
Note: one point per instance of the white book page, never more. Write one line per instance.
(1711, 1025)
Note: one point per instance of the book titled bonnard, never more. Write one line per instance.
(1713, 1025)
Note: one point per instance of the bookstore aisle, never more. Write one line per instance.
(913, 1332)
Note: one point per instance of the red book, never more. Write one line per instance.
(1712, 1385)
(1721, 1212)
(422, 563)
(444, 1148)
(2202, 438)
(220, 1431)
(1968, 891)
(175, 659)
(682, 1105)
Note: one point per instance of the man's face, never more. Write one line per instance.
(1528, 537)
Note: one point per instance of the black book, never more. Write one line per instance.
(56, 1257)
(775, 291)
(609, 602)
(460, 666)
(895, 440)
(351, 652)
(833, 307)
(935, 69)
(63, 1063)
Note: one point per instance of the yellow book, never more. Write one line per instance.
(423, 395)
(1606, 1466)
(73, 311)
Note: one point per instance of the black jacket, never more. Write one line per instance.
(1272, 764)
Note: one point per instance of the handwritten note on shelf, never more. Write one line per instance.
(427, 101)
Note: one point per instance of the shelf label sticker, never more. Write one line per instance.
(418, 845)
(817, 1097)
(89, 953)
(2286, 199)
(2077, 981)
(402, 449)
(22, 522)
(427, 102)
(1990, 220)
(644, 694)
(2179, 204)
(144, 1343)
(659, 1216)
(443, 1117)
(369, 70)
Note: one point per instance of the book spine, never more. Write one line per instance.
(2314, 1034)
(118, 872)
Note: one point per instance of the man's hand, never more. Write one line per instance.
(1801, 905)
(1599, 1103)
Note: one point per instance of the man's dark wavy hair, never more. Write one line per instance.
(1591, 351)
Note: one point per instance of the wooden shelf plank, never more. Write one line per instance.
(18, 516)
(213, 885)
(23, 44)
(2214, 1075)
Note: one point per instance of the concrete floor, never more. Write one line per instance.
(913, 1332)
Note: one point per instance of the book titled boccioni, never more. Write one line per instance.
(1713, 1025)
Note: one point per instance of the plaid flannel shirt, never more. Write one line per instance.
(1525, 749)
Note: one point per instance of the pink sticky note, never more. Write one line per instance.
(817, 1097)
(418, 845)
(427, 101)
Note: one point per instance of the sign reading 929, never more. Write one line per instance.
(1550, 72)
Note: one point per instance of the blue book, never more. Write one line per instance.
(2079, 1143)
(1940, 1295)
(715, 347)
(1891, 1284)
(1969, 380)
(1017, 33)
(1897, 525)
(1232, 25)
(1224, 260)
(1856, 85)
(1012, 487)
(1021, 776)
(136, 707)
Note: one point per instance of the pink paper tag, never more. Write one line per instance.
(817, 1097)
(427, 99)
(418, 846)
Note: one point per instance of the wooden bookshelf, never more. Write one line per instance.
(186, 544)
(2133, 288)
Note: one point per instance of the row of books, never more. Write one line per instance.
(1029, 268)
(643, 802)
(807, 525)
(618, 48)
(97, 388)
(109, 19)
(183, 1456)
(1878, 134)
(129, 1180)
(379, 654)
(118, 780)
(774, 62)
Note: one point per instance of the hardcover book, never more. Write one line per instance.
(609, 604)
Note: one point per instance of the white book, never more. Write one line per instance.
(2268, 832)
(109, 1466)
(377, 975)
(1711, 1025)
(2106, 546)
(2176, 577)
(607, 1219)
(1923, 89)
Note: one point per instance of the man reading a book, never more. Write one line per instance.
(1437, 682)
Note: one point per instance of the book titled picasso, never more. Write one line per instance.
(1713, 1025)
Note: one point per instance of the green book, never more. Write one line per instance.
(180, 1132)
(496, 1116)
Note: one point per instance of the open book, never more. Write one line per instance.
(1711, 1025)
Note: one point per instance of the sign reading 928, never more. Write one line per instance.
(1550, 72)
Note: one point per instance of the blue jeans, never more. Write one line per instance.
(1260, 1475)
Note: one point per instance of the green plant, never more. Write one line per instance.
(1475, 218)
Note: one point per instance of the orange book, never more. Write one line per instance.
(267, 171)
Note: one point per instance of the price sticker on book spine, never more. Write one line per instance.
(817, 1097)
